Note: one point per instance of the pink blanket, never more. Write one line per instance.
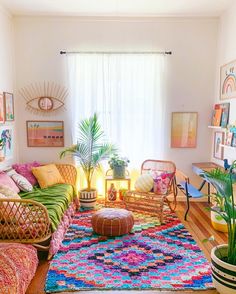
(18, 264)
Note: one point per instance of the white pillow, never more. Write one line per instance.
(22, 183)
(144, 183)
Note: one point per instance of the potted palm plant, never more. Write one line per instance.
(89, 150)
(223, 257)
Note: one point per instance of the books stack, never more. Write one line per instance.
(220, 116)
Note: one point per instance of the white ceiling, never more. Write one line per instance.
(117, 7)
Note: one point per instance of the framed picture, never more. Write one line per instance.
(9, 106)
(2, 109)
(6, 134)
(45, 133)
(218, 140)
(184, 129)
(228, 81)
(229, 138)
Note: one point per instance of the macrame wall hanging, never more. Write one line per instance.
(44, 98)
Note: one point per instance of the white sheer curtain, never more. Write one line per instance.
(126, 92)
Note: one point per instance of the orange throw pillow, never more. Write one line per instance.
(47, 175)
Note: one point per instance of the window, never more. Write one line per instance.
(126, 92)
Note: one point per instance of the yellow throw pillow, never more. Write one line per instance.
(47, 175)
(144, 183)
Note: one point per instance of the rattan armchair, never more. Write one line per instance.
(152, 202)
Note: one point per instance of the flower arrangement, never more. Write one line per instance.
(116, 160)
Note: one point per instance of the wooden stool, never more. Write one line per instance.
(112, 221)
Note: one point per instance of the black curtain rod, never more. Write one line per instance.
(114, 52)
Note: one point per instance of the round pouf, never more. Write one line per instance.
(112, 222)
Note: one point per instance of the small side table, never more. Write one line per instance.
(117, 182)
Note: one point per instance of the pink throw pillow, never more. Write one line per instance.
(162, 182)
(25, 171)
(7, 181)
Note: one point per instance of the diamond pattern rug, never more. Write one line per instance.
(152, 256)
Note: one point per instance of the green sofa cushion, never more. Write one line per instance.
(56, 199)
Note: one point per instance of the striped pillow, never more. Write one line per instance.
(22, 183)
(144, 183)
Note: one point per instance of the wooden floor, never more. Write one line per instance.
(198, 225)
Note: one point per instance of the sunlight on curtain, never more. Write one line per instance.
(126, 92)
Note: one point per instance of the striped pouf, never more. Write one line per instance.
(223, 274)
(112, 222)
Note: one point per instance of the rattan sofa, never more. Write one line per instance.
(28, 221)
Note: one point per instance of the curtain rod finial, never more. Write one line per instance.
(168, 52)
(62, 52)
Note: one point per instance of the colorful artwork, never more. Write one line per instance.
(184, 130)
(45, 133)
(9, 106)
(2, 116)
(229, 137)
(216, 119)
(225, 114)
(234, 140)
(6, 134)
(218, 140)
(228, 80)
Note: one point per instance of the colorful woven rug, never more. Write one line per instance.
(153, 256)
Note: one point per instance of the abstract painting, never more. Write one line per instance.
(218, 140)
(228, 81)
(6, 134)
(2, 113)
(45, 133)
(9, 106)
(184, 130)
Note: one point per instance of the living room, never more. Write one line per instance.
(200, 37)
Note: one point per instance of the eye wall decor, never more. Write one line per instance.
(44, 98)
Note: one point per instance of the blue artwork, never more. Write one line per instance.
(6, 135)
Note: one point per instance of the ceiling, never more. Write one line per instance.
(173, 8)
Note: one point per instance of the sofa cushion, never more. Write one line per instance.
(25, 171)
(6, 180)
(47, 175)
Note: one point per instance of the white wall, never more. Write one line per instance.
(7, 68)
(226, 53)
(190, 76)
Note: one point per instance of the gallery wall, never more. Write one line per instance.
(225, 54)
(190, 73)
(7, 76)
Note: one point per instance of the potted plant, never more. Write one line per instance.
(89, 150)
(118, 165)
(223, 257)
(2, 153)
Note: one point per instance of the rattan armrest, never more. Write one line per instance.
(24, 221)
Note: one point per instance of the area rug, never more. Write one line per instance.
(152, 256)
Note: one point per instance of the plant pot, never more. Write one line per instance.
(118, 172)
(223, 274)
(88, 198)
(218, 223)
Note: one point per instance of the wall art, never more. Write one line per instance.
(228, 81)
(44, 98)
(6, 134)
(45, 133)
(184, 129)
(9, 106)
(2, 109)
(218, 149)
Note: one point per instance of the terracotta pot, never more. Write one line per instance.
(218, 222)
(88, 198)
(223, 274)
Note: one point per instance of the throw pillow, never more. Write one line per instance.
(8, 192)
(162, 183)
(7, 181)
(144, 183)
(47, 175)
(22, 183)
(26, 171)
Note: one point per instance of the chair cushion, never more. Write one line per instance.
(47, 175)
(144, 183)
